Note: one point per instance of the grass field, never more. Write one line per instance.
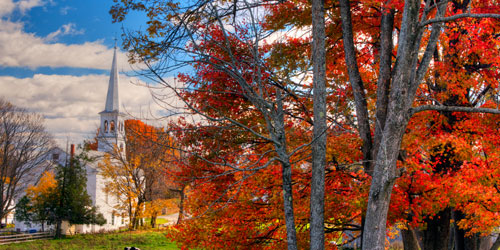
(146, 240)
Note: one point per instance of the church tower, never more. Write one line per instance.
(112, 131)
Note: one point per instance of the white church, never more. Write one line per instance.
(111, 134)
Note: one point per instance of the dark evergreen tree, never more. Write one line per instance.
(24, 210)
(72, 202)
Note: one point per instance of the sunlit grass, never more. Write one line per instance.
(151, 240)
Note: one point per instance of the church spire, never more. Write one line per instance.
(112, 101)
(111, 132)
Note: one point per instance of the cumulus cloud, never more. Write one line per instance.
(70, 104)
(19, 48)
(6, 7)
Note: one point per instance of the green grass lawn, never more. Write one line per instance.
(159, 221)
(144, 240)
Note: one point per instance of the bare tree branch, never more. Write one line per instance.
(453, 109)
(459, 16)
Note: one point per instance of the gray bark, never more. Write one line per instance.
(357, 85)
(276, 127)
(319, 131)
(400, 100)
(384, 80)
(496, 245)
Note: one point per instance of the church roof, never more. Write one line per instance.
(112, 101)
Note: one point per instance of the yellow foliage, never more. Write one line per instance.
(46, 184)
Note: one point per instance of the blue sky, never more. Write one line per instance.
(55, 57)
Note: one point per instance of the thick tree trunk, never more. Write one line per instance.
(436, 235)
(382, 182)
(496, 245)
(319, 131)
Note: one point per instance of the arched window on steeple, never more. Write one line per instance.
(105, 126)
(112, 126)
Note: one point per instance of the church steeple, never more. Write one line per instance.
(112, 100)
(111, 132)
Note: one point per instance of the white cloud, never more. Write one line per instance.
(6, 7)
(67, 29)
(21, 49)
(25, 5)
(9, 6)
(70, 104)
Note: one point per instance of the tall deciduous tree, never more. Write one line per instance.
(420, 28)
(317, 228)
(215, 41)
(24, 152)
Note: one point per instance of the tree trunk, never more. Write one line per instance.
(317, 234)
(291, 235)
(436, 235)
(58, 229)
(363, 122)
(181, 205)
(463, 242)
(153, 220)
(403, 88)
(277, 129)
(410, 239)
(496, 245)
(382, 182)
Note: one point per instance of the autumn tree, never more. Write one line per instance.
(24, 152)
(405, 77)
(35, 205)
(384, 86)
(137, 174)
(239, 58)
(155, 149)
(379, 54)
